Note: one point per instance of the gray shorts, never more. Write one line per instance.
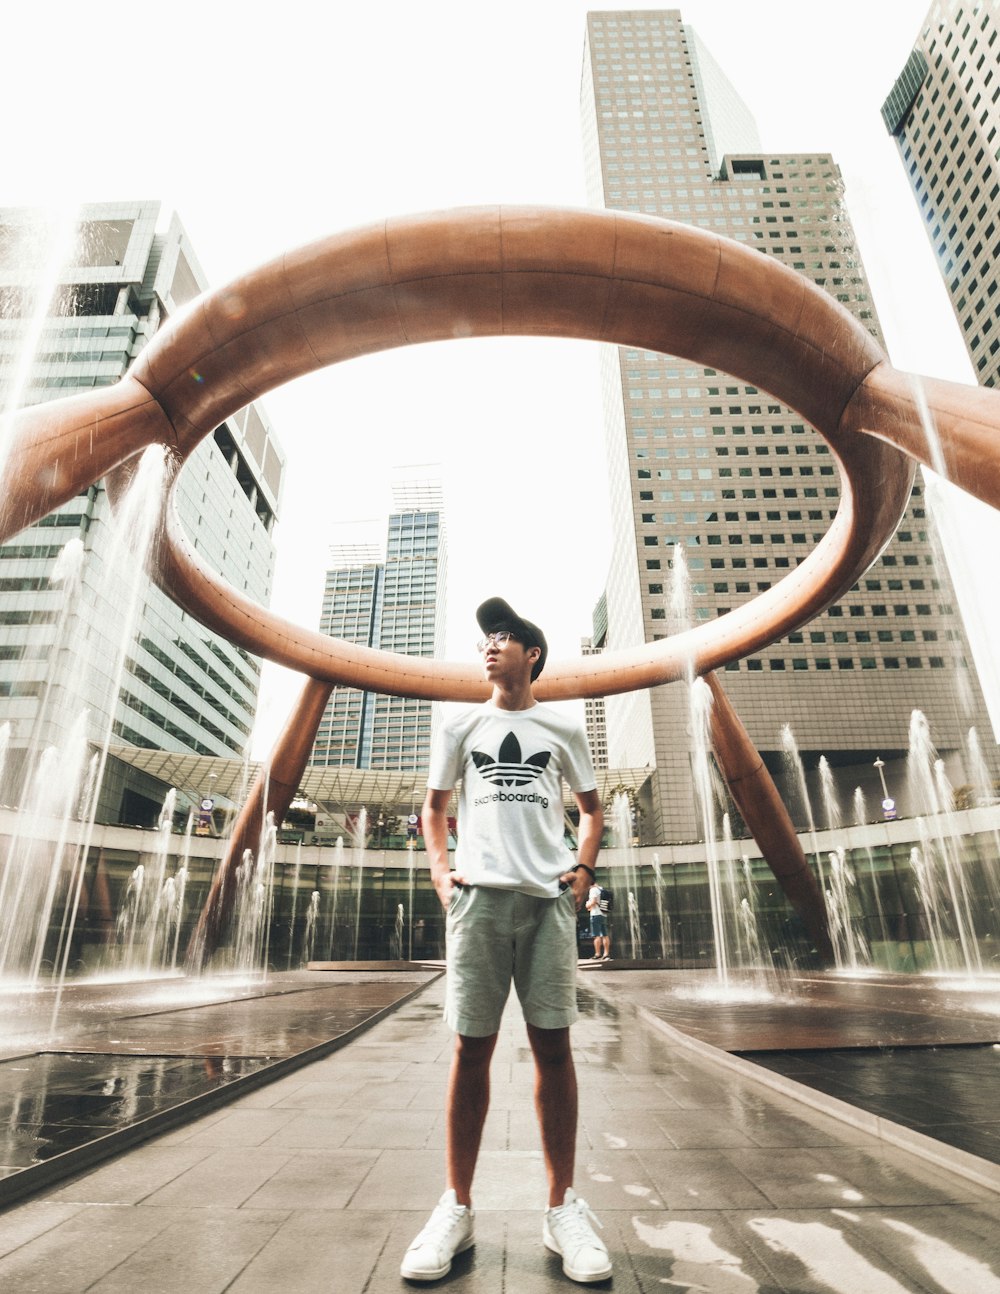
(494, 936)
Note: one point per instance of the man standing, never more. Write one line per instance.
(597, 907)
(511, 906)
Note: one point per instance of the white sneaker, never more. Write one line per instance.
(448, 1232)
(567, 1231)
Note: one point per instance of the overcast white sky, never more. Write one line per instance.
(268, 125)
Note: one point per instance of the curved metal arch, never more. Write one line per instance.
(601, 275)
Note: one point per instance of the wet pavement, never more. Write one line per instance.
(703, 1180)
(949, 1093)
(831, 1010)
(917, 1053)
(129, 1060)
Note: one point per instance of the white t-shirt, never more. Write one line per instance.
(512, 764)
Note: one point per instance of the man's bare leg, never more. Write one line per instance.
(556, 1105)
(466, 1105)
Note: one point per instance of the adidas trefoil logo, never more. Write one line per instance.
(508, 769)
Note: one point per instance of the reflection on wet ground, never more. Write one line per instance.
(702, 1179)
(130, 1060)
(127, 1059)
(56, 1102)
(950, 1093)
(921, 1051)
(822, 1010)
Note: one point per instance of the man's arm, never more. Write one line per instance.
(588, 842)
(435, 824)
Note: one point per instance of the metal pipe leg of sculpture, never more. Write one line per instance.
(272, 791)
(764, 813)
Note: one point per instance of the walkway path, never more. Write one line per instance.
(317, 1182)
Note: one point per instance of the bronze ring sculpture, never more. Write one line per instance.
(601, 275)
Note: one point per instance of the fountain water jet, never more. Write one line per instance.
(254, 899)
(828, 788)
(662, 916)
(35, 862)
(860, 820)
(794, 763)
(45, 249)
(940, 875)
(704, 788)
(358, 852)
(312, 917)
(849, 947)
(338, 867)
(621, 818)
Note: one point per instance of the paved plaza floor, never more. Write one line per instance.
(127, 1060)
(703, 1179)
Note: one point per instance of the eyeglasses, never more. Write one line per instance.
(499, 639)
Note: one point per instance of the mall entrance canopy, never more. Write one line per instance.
(337, 790)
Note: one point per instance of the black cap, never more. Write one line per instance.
(496, 614)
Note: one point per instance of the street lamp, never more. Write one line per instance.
(205, 823)
(888, 803)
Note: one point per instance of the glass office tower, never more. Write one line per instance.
(944, 114)
(398, 605)
(700, 459)
(184, 688)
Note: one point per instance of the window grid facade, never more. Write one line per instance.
(704, 460)
(184, 687)
(944, 113)
(398, 606)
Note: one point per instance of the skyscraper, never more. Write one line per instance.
(944, 113)
(183, 687)
(699, 459)
(594, 717)
(395, 605)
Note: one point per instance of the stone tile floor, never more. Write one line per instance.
(127, 1057)
(318, 1181)
(921, 1051)
(949, 1093)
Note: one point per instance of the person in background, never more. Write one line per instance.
(598, 924)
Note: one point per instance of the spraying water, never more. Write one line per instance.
(312, 917)
(662, 917)
(979, 774)
(37, 860)
(793, 762)
(295, 900)
(860, 819)
(828, 789)
(941, 878)
(849, 948)
(360, 841)
(45, 248)
(704, 789)
(252, 909)
(4, 747)
(680, 603)
(758, 952)
(149, 920)
(338, 867)
(621, 818)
